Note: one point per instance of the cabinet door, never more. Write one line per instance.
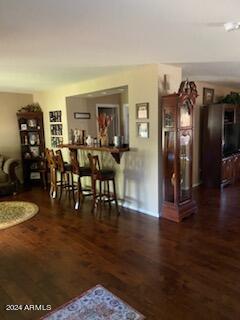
(231, 169)
(237, 172)
(168, 162)
(238, 114)
(224, 171)
(185, 164)
(229, 114)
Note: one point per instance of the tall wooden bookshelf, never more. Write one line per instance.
(31, 132)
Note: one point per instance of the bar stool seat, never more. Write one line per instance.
(106, 174)
(85, 171)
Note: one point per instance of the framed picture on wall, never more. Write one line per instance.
(82, 115)
(55, 116)
(56, 129)
(56, 141)
(142, 110)
(143, 130)
(208, 96)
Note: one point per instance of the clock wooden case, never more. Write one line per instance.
(177, 137)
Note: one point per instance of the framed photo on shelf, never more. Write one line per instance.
(142, 110)
(23, 126)
(35, 176)
(27, 155)
(55, 116)
(143, 130)
(208, 96)
(33, 138)
(32, 123)
(35, 152)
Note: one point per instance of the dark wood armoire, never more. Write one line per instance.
(220, 145)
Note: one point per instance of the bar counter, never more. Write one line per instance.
(115, 152)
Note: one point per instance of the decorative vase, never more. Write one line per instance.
(104, 140)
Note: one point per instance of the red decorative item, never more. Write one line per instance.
(104, 122)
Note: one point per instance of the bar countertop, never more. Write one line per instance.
(115, 152)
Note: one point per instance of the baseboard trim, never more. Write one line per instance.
(197, 184)
(133, 208)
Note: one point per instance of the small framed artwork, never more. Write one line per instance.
(82, 115)
(208, 96)
(23, 126)
(143, 129)
(142, 110)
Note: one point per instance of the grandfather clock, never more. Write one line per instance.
(177, 138)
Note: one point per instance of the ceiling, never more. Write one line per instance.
(107, 92)
(48, 43)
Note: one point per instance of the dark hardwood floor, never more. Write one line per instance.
(165, 270)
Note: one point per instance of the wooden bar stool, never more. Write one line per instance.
(103, 176)
(65, 170)
(79, 172)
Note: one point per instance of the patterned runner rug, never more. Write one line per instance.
(14, 212)
(95, 304)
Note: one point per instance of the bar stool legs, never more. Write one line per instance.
(65, 183)
(115, 196)
(53, 182)
(79, 194)
(102, 197)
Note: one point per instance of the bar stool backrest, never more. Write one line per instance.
(50, 158)
(59, 161)
(94, 164)
(74, 162)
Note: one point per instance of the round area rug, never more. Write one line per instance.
(15, 212)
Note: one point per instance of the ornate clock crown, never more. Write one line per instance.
(188, 89)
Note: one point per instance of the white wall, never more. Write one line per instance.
(10, 103)
(78, 104)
